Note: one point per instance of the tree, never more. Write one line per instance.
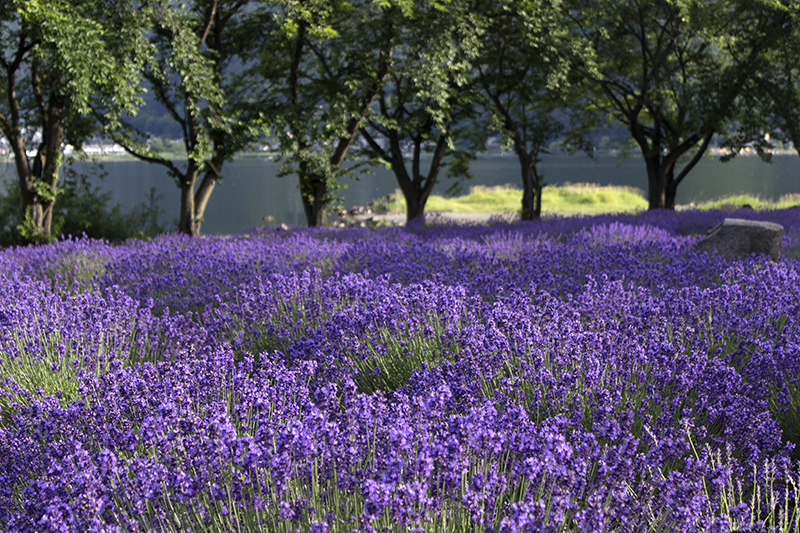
(664, 69)
(523, 72)
(428, 101)
(187, 75)
(769, 106)
(81, 210)
(54, 56)
(320, 64)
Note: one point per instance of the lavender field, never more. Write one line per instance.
(577, 374)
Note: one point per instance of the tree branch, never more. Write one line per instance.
(232, 11)
(375, 146)
(685, 170)
(37, 89)
(127, 145)
(163, 98)
(210, 12)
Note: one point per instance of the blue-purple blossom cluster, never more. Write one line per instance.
(577, 374)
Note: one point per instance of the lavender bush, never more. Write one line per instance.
(576, 374)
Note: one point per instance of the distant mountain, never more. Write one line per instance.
(154, 119)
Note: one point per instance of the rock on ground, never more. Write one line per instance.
(737, 237)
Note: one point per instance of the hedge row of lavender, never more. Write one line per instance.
(579, 374)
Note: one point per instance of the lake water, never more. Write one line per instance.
(250, 192)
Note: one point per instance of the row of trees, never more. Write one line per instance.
(348, 83)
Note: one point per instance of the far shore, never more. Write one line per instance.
(101, 153)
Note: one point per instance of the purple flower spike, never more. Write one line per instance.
(581, 373)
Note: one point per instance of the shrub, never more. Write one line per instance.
(81, 209)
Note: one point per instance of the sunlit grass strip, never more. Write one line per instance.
(576, 198)
(568, 198)
(755, 202)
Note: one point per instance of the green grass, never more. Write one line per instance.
(738, 200)
(568, 198)
(585, 198)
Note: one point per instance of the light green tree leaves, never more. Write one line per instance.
(56, 57)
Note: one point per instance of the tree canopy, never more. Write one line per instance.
(316, 68)
(524, 71)
(186, 73)
(429, 102)
(348, 83)
(55, 57)
(666, 70)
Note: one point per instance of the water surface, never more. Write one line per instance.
(251, 195)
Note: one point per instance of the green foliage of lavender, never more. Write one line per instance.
(578, 374)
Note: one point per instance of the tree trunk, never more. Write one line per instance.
(315, 202)
(203, 194)
(24, 173)
(187, 222)
(528, 193)
(531, 181)
(418, 188)
(45, 171)
(415, 205)
(39, 184)
(656, 183)
(314, 188)
(661, 183)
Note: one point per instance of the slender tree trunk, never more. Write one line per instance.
(531, 184)
(671, 190)
(314, 188)
(528, 191)
(416, 191)
(194, 203)
(411, 186)
(46, 170)
(661, 180)
(38, 178)
(24, 173)
(315, 197)
(52, 159)
(660, 161)
(415, 206)
(419, 187)
(187, 222)
(662, 185)
(416, 188)
(38, 184)
(531, 181)
(201, 197)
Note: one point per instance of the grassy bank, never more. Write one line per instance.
(569, 198)
(739, 200)
(586, 198)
